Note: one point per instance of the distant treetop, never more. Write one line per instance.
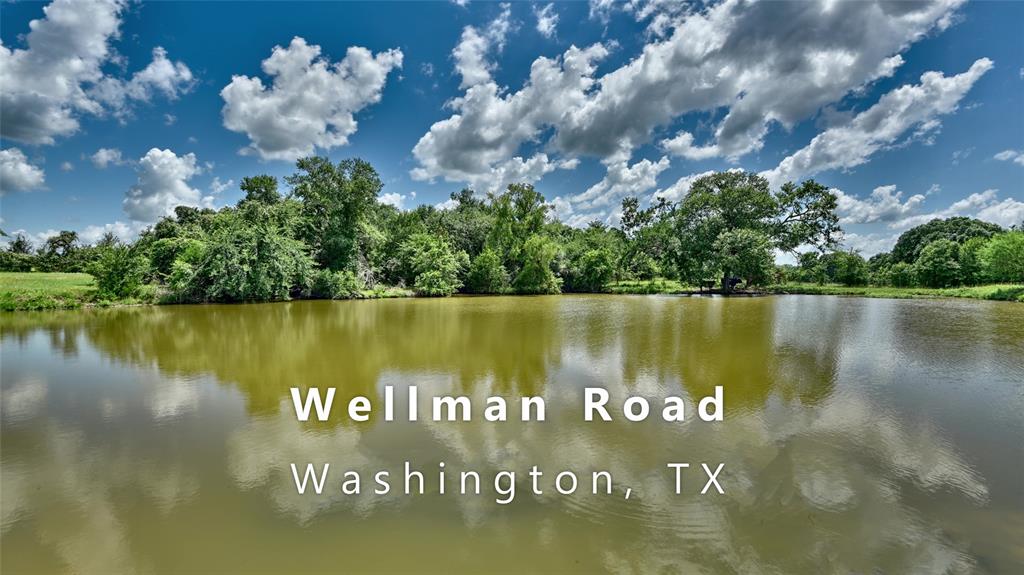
(959, 229)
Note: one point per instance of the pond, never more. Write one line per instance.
(859, 435)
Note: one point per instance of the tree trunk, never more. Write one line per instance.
(726, 288)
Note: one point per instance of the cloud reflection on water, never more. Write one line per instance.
(825, 469)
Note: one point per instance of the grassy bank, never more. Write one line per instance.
(39, 291)
(999, 292)
(28, 291)
(386, 293)
(647, 286)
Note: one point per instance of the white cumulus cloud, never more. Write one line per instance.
(681, 187)
(104, 157)
(765, 63)
(984, 205)
(896, 112)
(479, 141)
(125, 231)
(1014, 156)
(869, 244)
(163, 185)
(471, 53)
(547, 20)
(885, 204)
(161, 76)
(311, 102)
(59, 74)
(1008, 212)
(620, 180)
(217, 186)
(394, 199)
(17, 174)
(682, 146)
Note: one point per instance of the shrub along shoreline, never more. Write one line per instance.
(36, 291)
(331, 237)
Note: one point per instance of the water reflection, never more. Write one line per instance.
(851, 441)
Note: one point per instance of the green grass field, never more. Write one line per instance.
(33, 291)
(999, 292)
(659, 285)
(386, 293)
(39, 291)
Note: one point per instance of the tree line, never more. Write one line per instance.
(330, 237)
(941, 253)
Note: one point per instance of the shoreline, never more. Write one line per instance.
(991, 292)
(76, 291)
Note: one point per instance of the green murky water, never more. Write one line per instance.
(860, 436)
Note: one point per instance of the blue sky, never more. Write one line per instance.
(910, 111)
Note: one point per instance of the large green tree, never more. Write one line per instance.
(902, 274)
(336, 199)
(938, 264)
(649, 238)
(249, 256)
(959, 229)
(847, 268)
(434, 265)
(519, 213)
(971, 265)
(536, 275)
(61, 245)
(590, 256)
(729, 201)
(486, 274)
(746, 253)
(62, 253)
(20, 245)
(466, 224)
(1003, 257)
(261, 189)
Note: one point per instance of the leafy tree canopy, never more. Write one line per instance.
(261, 189)
(536, 275)
(330, 237)
(939, 264)
(486, 274)
(959, 229)
(519, 213)
(746, 253)
(335, 200)
(730, 201)
(649, 238)
(20, 245)
(1003, 257)
(434, 265)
